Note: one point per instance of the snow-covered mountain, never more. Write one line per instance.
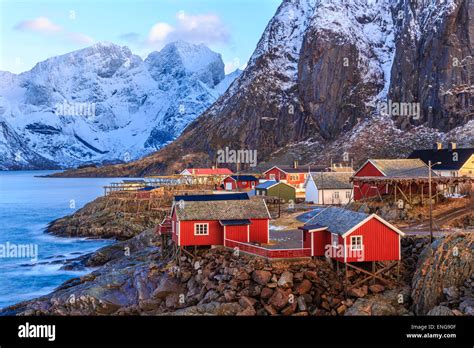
(319, 82)
(104, 104)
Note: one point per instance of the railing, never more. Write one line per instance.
(268, 253)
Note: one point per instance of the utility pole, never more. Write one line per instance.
(430, 202)
(430, 196)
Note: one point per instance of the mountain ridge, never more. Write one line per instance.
(104, 104)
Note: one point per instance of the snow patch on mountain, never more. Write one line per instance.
(103, 103)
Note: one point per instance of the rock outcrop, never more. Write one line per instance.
(105, 218)
(448, 262)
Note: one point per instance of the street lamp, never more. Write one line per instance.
(430, 195)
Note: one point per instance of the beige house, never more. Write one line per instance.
(328, 188)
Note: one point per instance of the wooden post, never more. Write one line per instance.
(346, 282)
(398, 270)
(373, 271)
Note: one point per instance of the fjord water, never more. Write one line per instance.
(27, 204)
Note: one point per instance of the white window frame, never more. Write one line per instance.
(353, 238)
(348, 194)
(201, 224)
(334, 238)
(335, 194)
(272, 176)
(177, 228)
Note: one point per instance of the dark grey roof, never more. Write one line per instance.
(311, 227)
(402, 168)
(235, 222)
(332, 180)
(445, 156)
(216, 197)
(244, 178)
(337, 220)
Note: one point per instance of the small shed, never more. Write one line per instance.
(276, 189)
(240, 182)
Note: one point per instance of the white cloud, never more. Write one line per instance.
(79, 38)
(159, 32)
(202, 28)
(44, 25)
(40, 25)
(234, 64)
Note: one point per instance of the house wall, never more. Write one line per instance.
(328, 197)
(380, 243)
(362, 190)
(285, 192)
(311, 191)
(259, 231)
(468, 168)
(241, 185)
(320, 240)
(215, 237)
(237, 233)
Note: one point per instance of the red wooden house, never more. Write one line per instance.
(240, 182)
(348, 236)
(292, 175)
(212, 219)
(395, 169)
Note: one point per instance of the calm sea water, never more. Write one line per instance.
(27, 204)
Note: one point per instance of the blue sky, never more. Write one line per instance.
(34, 30)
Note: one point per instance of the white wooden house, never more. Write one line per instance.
(328, 188)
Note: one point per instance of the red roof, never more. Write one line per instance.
(209, 171)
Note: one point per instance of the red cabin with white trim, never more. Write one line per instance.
(240, 182)
(211, 222)
(349, 236)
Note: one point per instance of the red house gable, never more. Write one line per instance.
(362, 190)
(210, 222)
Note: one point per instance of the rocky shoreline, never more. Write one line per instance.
(132, 279)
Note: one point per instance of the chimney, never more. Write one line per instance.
(295, 164)
(452, 146)
(438, 146)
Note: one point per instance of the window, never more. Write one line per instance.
(335, 195)
(272, 176)
(356, 243)
(334, 240)
(177, 228)
(201, 229)
(348, 194)
(294, 177)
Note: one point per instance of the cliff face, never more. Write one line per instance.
(316, 83)
(433, 62)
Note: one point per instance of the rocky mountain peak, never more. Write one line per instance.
(182, 58)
